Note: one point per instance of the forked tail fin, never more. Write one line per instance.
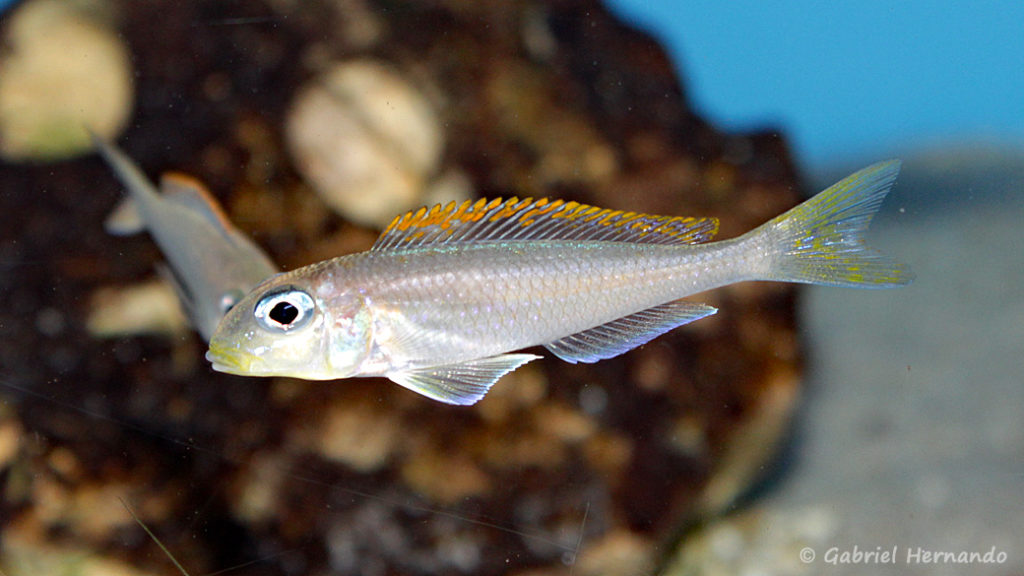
(821, 241)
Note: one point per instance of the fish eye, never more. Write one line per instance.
(229, 299)
(284, 310)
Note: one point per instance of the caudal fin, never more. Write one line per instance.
(126, 219)
(822, 240)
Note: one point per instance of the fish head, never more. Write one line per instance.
(219, 275)
(206, 310)
(287, 327)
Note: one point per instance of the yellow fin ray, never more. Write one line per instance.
(540, 219)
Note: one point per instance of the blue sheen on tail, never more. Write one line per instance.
(821, 241)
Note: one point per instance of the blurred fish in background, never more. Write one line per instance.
(211, 264)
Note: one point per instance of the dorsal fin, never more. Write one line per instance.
(193, 194)
(540, 219)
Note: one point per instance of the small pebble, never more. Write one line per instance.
(10, 441)
(366, 139)
(63, 68)
(150, 308)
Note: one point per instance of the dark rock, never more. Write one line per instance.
(603, 464)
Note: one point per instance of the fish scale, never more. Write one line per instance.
(447, 295)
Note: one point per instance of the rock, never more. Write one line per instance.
(368, 140)
(149, 308)
(258, 488)
(756, 543)
(10, 438)
(359, 435)
(619, 552)
(559, 462)
(21, 555)
(63, 68)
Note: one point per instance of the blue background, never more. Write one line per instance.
(849, 80)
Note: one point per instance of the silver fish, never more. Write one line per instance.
(445, 296)
(212, 264)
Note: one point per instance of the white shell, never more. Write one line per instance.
(367, 140)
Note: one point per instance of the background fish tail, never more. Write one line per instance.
(821, 241)
(127, 218)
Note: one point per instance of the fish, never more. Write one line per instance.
(211, 264)
(447, 297)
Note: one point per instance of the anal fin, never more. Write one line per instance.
(622, 335)
(462, 384)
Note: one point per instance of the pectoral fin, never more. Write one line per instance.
(622, 335)
(125, 220)
(463, 384)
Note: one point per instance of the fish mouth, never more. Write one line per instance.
(229, 359)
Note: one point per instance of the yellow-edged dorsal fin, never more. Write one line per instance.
(541, 219)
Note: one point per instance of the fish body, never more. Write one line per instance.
(446, 296)
(212, 264)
